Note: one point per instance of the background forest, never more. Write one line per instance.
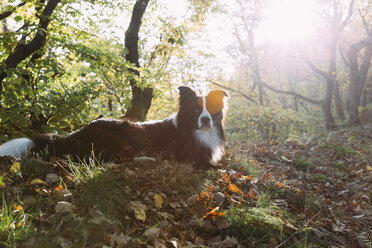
(65, 63)
(298, 157)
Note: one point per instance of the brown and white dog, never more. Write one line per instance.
(195, 134)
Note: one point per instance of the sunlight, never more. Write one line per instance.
(288, 20)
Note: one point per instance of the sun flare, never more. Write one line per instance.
(288, 20)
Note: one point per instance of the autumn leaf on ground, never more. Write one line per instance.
(159, 200)
(245, 178)
(279, 185)
(139, 210)
(15, 168)
(59, 188)
(38, 181)
(213, 213)
(17, 207)
(251, 195)
(233, 188)
(224, 177)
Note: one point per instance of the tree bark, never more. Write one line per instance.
(141, 98)
(358, 77)
(23, 51)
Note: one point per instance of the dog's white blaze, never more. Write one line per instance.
(205, 113)
(210, 138)
(16, 147)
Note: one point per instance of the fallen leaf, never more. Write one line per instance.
(59, 188)
(251, 195)
(38, 181)
(15, 168)
(120, 240)
(233, 188)
(17, 207)
(97, 216)
(152, 233)
(51, 178)
(64, 207)
(159, 200)
(245, 178)
(139, 210)
(213, 213)
(369, 168)
(279, 185)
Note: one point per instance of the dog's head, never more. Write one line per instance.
(200, 112)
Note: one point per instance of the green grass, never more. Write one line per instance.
(14, 224)
(256, 225)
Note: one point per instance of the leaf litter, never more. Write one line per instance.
(322, 186)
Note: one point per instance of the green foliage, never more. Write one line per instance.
(254, 122)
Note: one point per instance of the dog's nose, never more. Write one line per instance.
(205, 120)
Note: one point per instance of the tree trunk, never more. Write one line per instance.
(329, 121)
(141, 98)
(338, 102)
(358, 77)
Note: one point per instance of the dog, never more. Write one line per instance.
(195, 134)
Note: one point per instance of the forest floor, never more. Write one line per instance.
(262, 194)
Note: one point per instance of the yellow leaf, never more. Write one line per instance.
(213, 213)
(139, 210)
(369, 168)
(17, 207)
(2, 184)
(245, 178)
(158, 199)
(16, 167)
(37, 181)
(233, 188)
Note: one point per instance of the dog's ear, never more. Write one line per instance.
(186, 93)
(216, 100)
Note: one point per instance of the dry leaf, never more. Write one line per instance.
(38, 181)
(369, 168)
(120, 240)
(245, 178)
(17, 207)
(64, 207)
(279, 185)
(152, 233)
(233, 188)
(251, 195)
(139, 210)
(15, 168)
(159, 200)
(213, 213)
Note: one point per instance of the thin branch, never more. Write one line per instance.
(234, 90)
(347, 18)
(316, 69)
(291, 93)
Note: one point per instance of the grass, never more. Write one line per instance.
(14, 223)
(257, 225)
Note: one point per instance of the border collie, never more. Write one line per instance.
(195, 134)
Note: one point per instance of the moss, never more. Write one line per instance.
(260, 224)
